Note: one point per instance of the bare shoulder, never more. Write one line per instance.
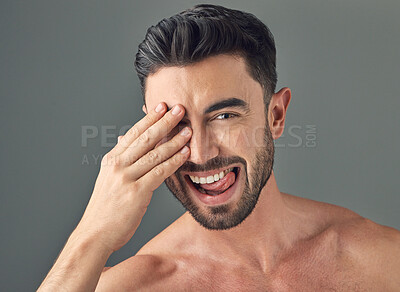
(370, 249)
(374, 249)
(139, 272)
(153, 268)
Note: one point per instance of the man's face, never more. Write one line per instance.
(232, 150)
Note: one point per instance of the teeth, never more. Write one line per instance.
(228, 170)
(210, 179)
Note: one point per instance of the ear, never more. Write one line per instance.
(277, 111)
(144, 109)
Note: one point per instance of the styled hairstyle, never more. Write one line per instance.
(207, 30)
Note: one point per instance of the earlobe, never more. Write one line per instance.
(144, 109)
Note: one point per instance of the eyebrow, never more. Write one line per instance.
(230, 102)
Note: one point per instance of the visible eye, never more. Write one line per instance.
(225, 116)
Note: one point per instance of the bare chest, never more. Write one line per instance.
(323, 267)
(296, 277)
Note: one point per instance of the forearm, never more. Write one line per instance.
(78, 266)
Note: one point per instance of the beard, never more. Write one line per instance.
(226, 216)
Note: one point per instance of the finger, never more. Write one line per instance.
(134, 132)
(119, 138)
(159, 154)
(158, 174)
(147, 140)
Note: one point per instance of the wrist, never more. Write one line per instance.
(79, 265)
(88, 240)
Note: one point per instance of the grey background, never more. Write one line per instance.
(69, 64)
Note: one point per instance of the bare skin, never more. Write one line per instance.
(334, 249)
(287, 243)
(129, 174)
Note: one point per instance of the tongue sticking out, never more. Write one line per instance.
(220, 186)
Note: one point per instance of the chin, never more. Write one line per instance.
(220, 211)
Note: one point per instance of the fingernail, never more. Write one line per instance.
(185, 131)
(159, 108)
(176, 110)
(185, 149)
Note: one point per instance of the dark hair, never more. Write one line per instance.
(207, 30)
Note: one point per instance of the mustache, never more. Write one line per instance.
(216, 162)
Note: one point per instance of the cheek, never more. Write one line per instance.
(234, 138)
(220, 135)
(259, 137)
(251, 138)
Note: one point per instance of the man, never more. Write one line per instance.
(208, 81)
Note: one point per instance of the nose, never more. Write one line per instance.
(203, 146)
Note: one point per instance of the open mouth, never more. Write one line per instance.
(214, 184)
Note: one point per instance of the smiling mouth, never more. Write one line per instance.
(214, 185)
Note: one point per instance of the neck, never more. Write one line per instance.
(273, 226)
